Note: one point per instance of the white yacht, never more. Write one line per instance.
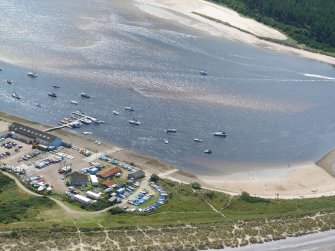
(32, 74)
(197, 140)
(129, 108)
(74, 102)
(220, 134)
(134, 122)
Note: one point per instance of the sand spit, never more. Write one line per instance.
(184, 13)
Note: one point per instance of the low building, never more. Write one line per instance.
(108, 183)
(31, 135)
(82, 199)
(137, 175)
(108, 172)
(112, 200)
(93, 195)
(94, 180)
(77, 179)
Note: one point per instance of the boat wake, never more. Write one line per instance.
(318, 76)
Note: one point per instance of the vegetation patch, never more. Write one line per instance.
(309, 22)
(16, 206)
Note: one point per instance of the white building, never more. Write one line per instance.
(94, 180)
(82, 199)
(93, 195)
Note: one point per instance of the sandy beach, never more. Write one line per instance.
(184, 13)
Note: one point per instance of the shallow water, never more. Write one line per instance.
(275, 108)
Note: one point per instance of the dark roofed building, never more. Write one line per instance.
(108, 172)
(29, 135)
(137, 175)
(78, 179)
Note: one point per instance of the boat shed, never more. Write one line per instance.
(137, 175)
(108, 172)
(30, 135)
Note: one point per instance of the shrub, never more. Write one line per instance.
(154, 177)
(116, 210)
(196, 185)
(209, 194)
(252, 199)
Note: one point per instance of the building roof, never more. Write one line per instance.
(31, 132)
(78, 177)
(108, 172)
(82, 198)
(136, 175)
(109, 183)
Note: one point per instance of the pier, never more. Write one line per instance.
(71, 122)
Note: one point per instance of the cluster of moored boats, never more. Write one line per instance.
(172, 130)
(50, 94)
(79, 119)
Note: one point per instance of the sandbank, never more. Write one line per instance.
(187, 13)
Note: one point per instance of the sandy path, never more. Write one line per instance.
(183, 12)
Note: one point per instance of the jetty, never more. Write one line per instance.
(78, 118)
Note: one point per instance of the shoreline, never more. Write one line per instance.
(307, 180)
(221, 21)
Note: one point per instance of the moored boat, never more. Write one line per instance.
(32, 74)
(115, 113)
(197, 140)
(134, 122)
(74, 102)
(129, 108)
(208, 151)
(52, 94)
(9, 82)
(171, 130)
(84, 95)
(15, 95)
(55, 86)
(166, 141)
(203, 73)
(220, 134)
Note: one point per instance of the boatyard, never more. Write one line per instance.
(84, 176)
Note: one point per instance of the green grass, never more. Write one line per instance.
(17, 206)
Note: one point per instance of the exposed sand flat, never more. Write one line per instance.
(307, 180)
(183, 12)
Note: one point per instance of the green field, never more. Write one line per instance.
(17, 206)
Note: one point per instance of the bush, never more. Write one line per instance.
(154, 177)
(209, 194)
(251, 199)
(196, 185)
(14, 234)
(116, 210)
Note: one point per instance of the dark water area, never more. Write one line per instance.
(275, 108)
